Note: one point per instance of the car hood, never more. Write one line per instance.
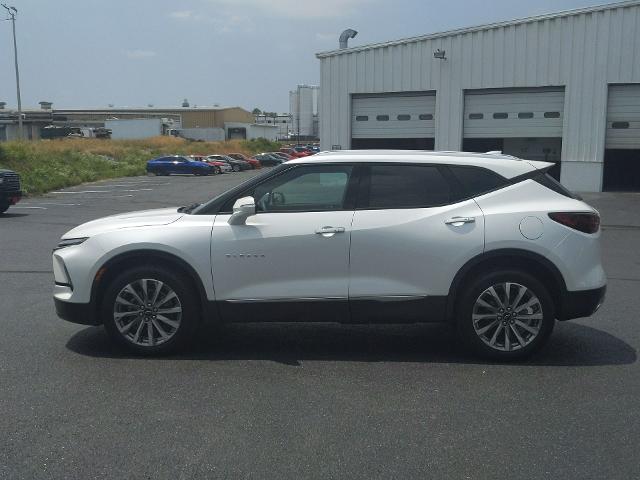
(143, 218)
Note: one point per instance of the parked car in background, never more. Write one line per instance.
(268, 160)
(236, 165)
(292, 152)
(239, 156)
(285, 156)
(201, 158)
(10, 191)
(218, 167)
(177, 164)
(490, 244)
(304, 151)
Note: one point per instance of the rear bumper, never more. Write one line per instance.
(81, 313)
(583, 303)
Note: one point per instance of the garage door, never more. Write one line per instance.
(622, 142)
(526, 113)
(393, 120)
(623, 117)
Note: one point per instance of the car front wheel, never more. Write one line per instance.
(150, 310)
(505, 315)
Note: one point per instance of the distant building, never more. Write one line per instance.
(210, 123)
(282, 121)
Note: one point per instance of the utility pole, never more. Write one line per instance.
(12, 11)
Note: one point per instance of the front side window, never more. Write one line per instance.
(407, 186)
(304, 189)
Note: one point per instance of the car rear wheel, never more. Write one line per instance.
(150, 310)
(236, 168)
(505, 315)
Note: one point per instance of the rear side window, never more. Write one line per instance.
(476, 181)
(407, 186)
(552, 184)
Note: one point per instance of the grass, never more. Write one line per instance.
(46, 165)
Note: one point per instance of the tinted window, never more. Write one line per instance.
(476, 116)
(552, 184)
(404, 117)
(304, 189)
(551, 114)
(361, 118)
(407, 186)
(382, 118)
(525, 115)
(500, 115)
(425, 116)
(475, 181)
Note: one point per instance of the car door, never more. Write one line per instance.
(183, 165)
(409, 238)
(289, 261)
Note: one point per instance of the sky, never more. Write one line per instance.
(249, 53)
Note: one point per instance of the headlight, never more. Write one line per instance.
(68, 242)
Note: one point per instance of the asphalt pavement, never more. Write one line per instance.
(305, 401)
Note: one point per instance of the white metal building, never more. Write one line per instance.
(562, 87)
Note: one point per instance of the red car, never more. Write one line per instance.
(293, 153)
(238, 156)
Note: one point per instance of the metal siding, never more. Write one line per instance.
(582, 52)
(513, 102)
(623, 106)
(393, 105)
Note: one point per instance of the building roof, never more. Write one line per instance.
(489, 26)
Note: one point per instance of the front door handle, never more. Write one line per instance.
(459, 221)
(329, 231)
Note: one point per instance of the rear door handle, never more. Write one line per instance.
(329, 231)
(459, 221)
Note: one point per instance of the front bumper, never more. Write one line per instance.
(583, 303)
(81, 313)
(11, 197)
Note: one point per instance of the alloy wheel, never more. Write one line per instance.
(147, 312)
(507, 316)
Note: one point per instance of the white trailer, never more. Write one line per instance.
(135, 128)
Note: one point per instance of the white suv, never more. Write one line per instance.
(486, 241)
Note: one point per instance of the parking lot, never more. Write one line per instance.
(305, 401)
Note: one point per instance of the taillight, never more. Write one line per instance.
(583, 222)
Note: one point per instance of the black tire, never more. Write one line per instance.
(216, 170)
(4, 206)
(188, 302)
(236, 168)
(544, 308)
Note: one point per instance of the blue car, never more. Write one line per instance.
(178, 164)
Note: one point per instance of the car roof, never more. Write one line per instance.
(505, 165)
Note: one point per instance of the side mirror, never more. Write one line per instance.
(244, 208)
